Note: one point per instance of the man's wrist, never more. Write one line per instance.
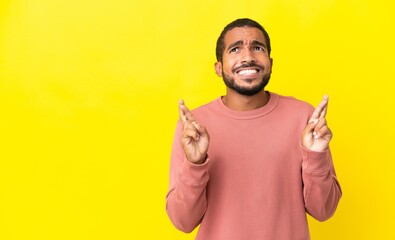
(202, 161)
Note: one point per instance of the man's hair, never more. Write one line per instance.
(242, 22)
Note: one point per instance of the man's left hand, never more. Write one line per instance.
(316, 135)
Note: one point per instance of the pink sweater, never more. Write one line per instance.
(258, 182)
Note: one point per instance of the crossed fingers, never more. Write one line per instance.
(185, 114)
(318, 118)
(321, 109)
(191, 127)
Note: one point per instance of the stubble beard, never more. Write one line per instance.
(246, 91)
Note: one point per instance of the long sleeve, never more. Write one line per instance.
(186, 200)
(321, 191)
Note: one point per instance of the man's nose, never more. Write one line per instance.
(248, 56)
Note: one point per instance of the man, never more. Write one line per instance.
(250, 164)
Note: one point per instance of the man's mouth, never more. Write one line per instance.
(248, 70)
(245, 72)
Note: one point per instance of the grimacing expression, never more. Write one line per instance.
(246, 65)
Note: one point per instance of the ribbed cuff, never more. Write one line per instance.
(316, 162)
(195, 174)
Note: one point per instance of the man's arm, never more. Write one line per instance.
(186, 200)
(321, 191)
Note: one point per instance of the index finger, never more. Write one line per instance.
(320, 111)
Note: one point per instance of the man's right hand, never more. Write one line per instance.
(195, 138)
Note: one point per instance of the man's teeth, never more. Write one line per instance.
(248, 71)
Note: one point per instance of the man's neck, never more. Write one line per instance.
(238, 102)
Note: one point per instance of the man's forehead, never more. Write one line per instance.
(246, 35)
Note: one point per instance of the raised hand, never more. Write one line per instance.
(316, 135)
(195, 138)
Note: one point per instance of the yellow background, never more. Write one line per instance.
(88, 106)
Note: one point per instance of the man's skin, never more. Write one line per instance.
(246, 46)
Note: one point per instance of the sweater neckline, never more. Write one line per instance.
(250, 114)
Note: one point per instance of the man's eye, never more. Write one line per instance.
(258, 48)
(234, 49)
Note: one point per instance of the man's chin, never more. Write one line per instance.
(250, 84)
(248, 91)
(247, 82)
(247, 87)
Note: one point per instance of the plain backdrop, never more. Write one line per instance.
(88, 107)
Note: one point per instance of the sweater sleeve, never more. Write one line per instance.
(186, 200)
(321, 191)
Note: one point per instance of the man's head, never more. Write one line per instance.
(242, 22)
(243, 57)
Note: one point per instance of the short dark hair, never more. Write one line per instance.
(242, 22)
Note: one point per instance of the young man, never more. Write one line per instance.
(250, 164)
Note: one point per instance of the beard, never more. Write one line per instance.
(247, 91)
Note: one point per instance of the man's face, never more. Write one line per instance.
(246, 65)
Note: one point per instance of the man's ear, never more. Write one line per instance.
(218, 68)
(271, 64)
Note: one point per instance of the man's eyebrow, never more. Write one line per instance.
(235, 44)
(253, 42)
(256, 42)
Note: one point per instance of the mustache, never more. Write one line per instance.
(247, 65)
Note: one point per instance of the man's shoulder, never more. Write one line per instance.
(206, 107)
(292, 102)
(208, 110)
(294, 106)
